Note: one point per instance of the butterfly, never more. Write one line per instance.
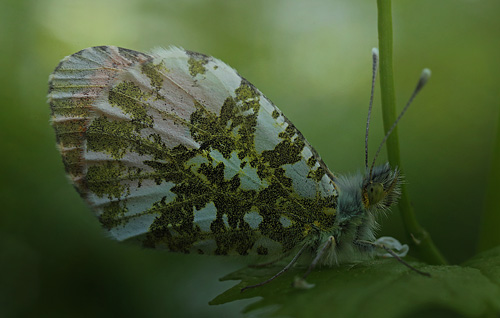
(175, 150)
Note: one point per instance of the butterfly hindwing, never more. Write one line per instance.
(175, 149)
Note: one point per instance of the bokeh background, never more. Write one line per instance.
(312, 58)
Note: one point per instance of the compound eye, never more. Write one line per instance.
(375, 192)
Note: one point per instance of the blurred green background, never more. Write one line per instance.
(311, 58)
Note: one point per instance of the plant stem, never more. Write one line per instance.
(489, 235)
(423, 242)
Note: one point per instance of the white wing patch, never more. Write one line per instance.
(253, 219)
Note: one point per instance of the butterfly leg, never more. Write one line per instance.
(300, 282)
(329, 243)
(287, 267)
(392, 253)
(269, 263)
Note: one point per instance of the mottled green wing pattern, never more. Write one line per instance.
(175, 150)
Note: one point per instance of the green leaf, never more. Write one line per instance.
(377, 288)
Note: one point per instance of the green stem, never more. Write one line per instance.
(423, 242)
(489, 236)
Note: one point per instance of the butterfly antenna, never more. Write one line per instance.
(424, 77)
(374, 76)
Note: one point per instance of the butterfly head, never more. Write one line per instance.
(381, 187)
(361, 196)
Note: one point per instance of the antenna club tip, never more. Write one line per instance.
(424, 77)
(375, 51)
(426, 73)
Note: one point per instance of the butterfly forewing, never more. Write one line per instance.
(176, 150)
